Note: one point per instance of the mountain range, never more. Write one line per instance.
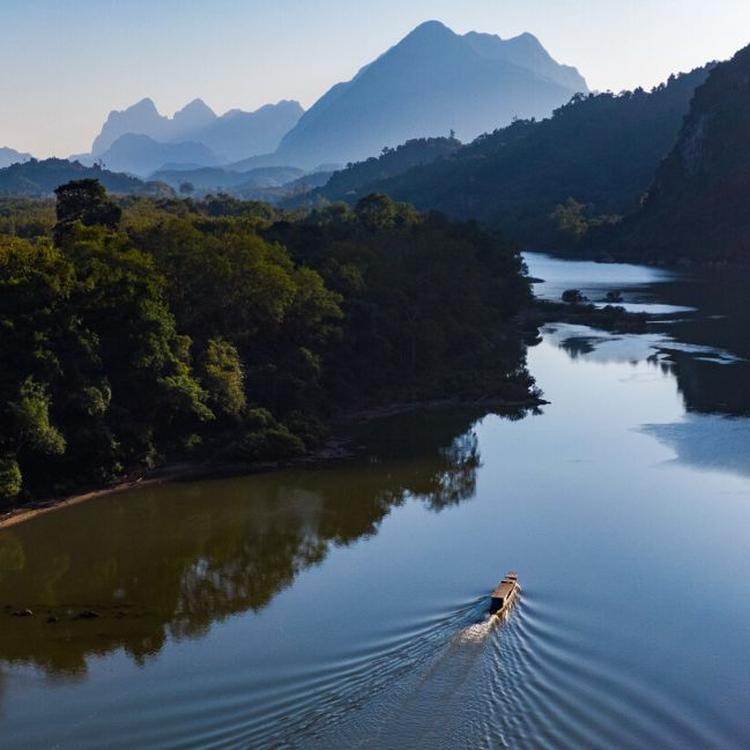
(140, 140)
(432, 83)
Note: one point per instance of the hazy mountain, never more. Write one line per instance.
(237, 135)
(40, 178)
(602, 150)
(527, 51)
(141, 118)
(141, 155)
(699, 204)
(233, 136)
(218, 179)
(10, 156)
(192, 118)
(432, 82)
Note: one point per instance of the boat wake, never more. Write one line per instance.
(468, 680)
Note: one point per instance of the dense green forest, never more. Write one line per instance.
(137, 332)
(545, 182)
(698, 207)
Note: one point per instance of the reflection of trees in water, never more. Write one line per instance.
(170, 561)
(723, 322)
(712, 388)
(578, 346)
(459, 482)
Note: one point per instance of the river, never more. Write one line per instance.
(345, 606)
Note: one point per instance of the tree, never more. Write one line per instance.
(85, 201)
(223, 377)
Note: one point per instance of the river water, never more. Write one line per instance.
(345, 607)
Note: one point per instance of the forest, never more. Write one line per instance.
(139, 332)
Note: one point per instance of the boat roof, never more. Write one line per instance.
(504, 588)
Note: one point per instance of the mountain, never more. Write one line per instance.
(601, 150)
(40, 178)
(430, 83)
(142, 155)
(10, 156)
(237, 135)
(141, 118)
(192, 118)
(698, 207)
(233, 136)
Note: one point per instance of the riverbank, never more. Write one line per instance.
(609, 318)
(338, 447)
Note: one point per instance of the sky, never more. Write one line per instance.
(66, 64)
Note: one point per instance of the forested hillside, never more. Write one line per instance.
(41, 178)
(141, 332)
(352, 183)
(699, 205)
(600, 150)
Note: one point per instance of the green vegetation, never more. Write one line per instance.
(137, 332)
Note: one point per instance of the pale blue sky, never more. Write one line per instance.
(66, 63)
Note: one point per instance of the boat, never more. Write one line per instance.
(503, 597)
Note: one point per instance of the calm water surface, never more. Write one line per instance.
(344, 607)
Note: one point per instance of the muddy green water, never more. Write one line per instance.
(345, 607)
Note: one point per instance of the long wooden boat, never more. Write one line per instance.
(504, 595)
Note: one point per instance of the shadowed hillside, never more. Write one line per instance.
(699, 204)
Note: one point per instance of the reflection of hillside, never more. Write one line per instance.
(723, 322)
(169, 561)
(712, 388)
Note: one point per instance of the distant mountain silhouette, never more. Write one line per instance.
(237, 135)
(233, 136)
(430, 83)
(10, 156)
(40, 178)
(698, 206)
(141, 155)
(141, 118)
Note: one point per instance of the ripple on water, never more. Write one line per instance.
(474, 682)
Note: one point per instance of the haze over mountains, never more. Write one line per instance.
(140, 140)
(429, 84)
(10, 156)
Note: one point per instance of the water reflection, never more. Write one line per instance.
(707, 442)
(167, 562)
(706, 351)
